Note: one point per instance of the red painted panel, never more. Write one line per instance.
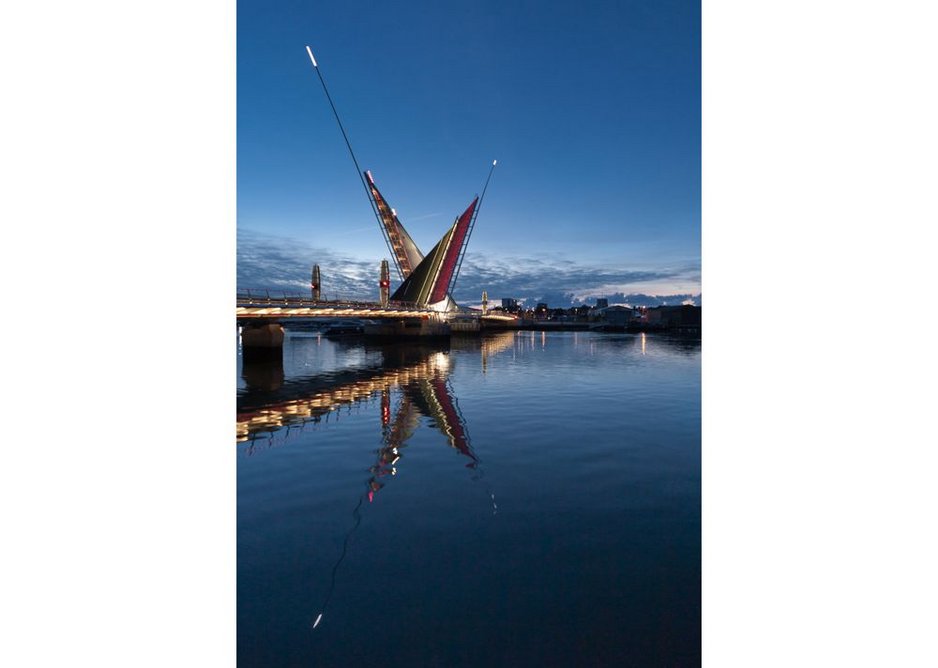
(452, 255)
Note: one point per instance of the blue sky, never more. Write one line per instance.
(592, 112)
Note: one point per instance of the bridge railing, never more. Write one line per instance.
(273, 293)
(266, 294)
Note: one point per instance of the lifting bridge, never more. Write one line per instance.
(422, 304)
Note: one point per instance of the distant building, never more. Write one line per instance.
(509, 304)
(540, 311)
(602, 302)
(617, 316)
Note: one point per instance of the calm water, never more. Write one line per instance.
(517, 500)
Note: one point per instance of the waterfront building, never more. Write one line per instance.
(674, 317)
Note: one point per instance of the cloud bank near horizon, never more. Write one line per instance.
(281, 264)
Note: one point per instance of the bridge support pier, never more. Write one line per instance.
(262, 340)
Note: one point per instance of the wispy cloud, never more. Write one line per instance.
(282, 264)
(563, 282)
(424, 217)
(354, 230)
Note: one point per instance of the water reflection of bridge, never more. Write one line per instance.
(419, 372)
(419, 376)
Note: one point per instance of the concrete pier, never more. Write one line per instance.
(262, 340)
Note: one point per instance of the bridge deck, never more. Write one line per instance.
(253, 307)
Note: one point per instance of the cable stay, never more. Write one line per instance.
(472, 223)
(358, 169)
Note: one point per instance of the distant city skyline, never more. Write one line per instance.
(593, 114)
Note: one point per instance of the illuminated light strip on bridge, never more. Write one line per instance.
(357, 311)
(282, 312)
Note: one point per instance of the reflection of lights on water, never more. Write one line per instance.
(543, 339)
(329, 402)
(643, 343)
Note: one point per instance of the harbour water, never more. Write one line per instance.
(520, 499)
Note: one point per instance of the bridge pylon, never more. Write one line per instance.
(385, 283)
(316, 284)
